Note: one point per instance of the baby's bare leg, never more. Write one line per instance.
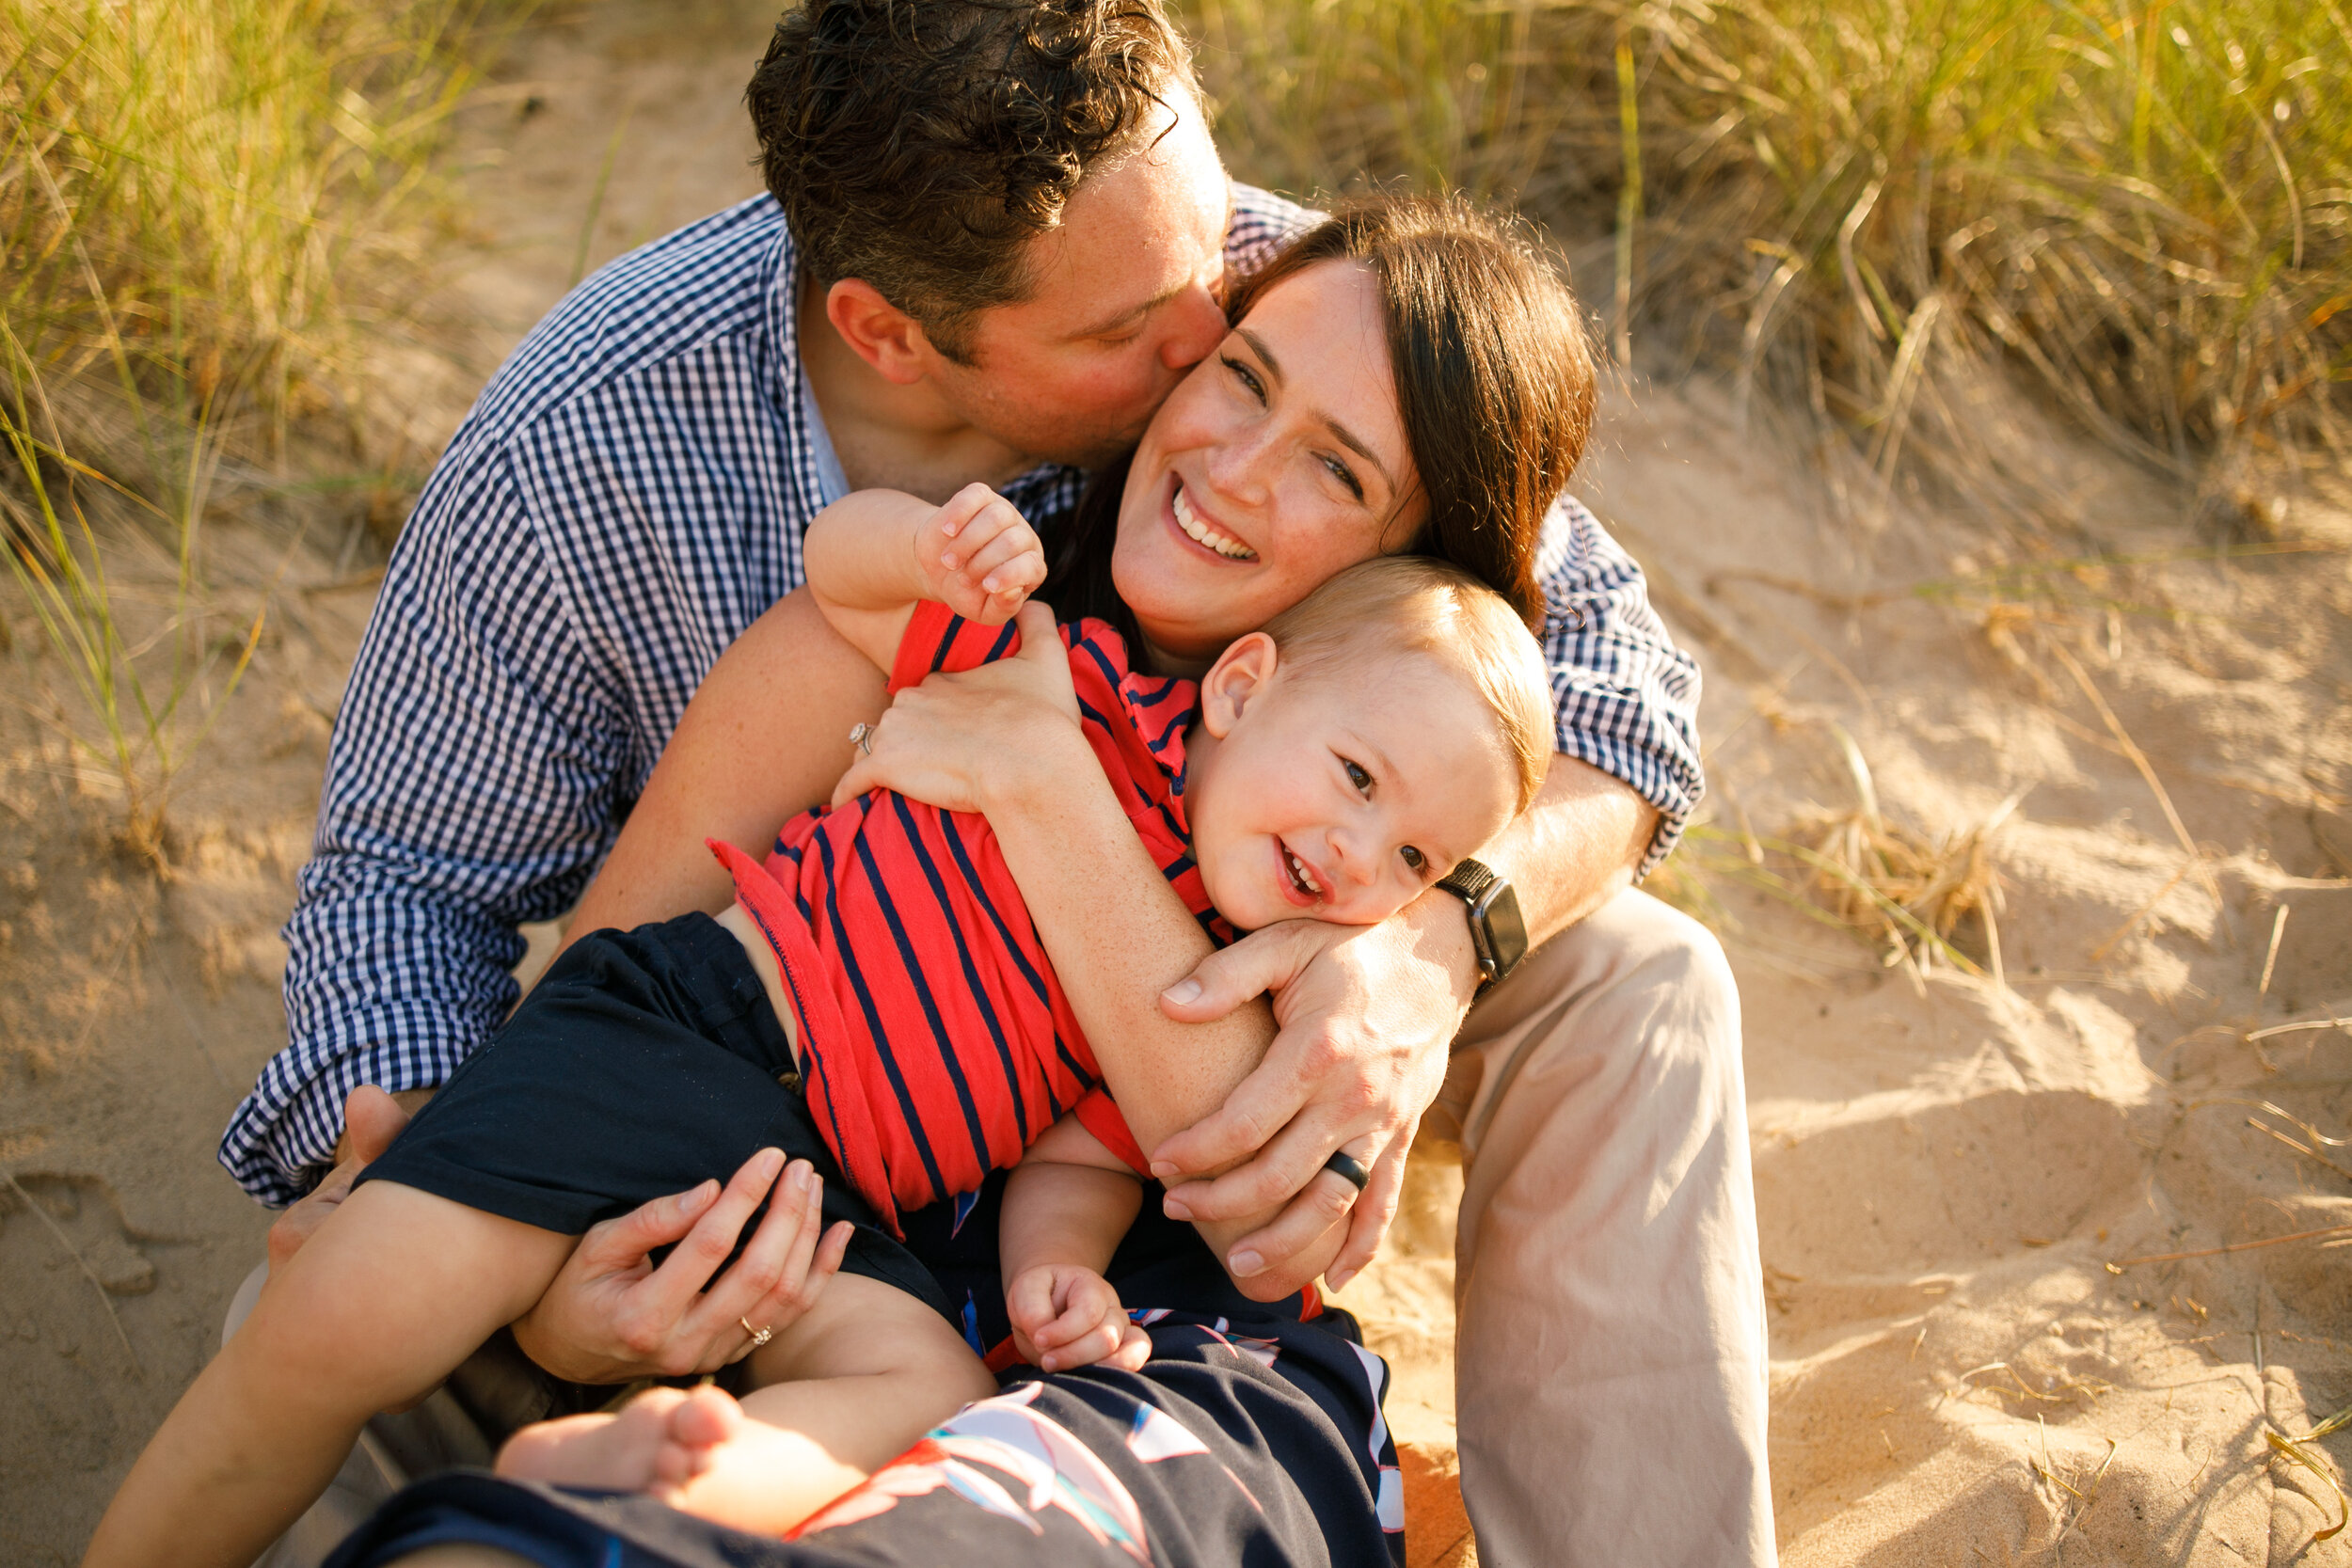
(392, 1291)
(845, 1390)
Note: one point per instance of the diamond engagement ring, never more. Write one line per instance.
(759, 1336)
(862, 736)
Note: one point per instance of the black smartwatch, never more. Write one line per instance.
(1496, 932)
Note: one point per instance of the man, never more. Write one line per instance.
(999, 236)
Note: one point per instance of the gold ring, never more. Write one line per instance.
(759, 1336)
(862, 736)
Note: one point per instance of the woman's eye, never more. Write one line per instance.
(1247, 376)
(1414, 858)
(1358, 775)
(1346, 476)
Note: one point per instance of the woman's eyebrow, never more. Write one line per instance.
(1338, 432)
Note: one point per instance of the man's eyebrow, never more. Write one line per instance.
(1108, 324)
(1346, 436)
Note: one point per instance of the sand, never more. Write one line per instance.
(1945, 1165)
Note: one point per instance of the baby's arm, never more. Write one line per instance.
(874, 555)
(1067, 1204)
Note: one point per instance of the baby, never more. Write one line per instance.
(880, 966)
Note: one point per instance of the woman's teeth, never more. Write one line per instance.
(1202, 533)
(1300, 874)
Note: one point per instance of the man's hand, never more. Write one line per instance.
(1366, 1016)
(372, 1119)
(611, 1317)
(1066, 1315)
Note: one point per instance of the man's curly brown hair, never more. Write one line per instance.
(919, 145)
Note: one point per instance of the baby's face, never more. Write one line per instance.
(1341, 794)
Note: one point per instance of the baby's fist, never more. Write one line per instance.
(978, 556)
(1066, 1316)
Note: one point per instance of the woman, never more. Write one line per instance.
(1404, 378)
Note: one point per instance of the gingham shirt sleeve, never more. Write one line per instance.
(1628, 699)
(468, 788)
(1261, 223)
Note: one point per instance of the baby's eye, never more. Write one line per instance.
(1358, 775)
(1414, 858)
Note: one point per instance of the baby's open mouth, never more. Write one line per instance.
(1206, 535)
(1301, 879)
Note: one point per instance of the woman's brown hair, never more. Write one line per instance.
(1494, 377)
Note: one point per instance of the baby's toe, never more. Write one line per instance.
(705, 1418)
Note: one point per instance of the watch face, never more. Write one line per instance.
(1507, 932)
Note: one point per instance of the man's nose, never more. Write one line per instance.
(1195, 325)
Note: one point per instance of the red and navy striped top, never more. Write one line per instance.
(935, 1043)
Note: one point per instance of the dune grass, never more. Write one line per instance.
(1857, 204)
(1933, 226)
(202, 204)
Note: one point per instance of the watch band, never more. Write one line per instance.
(1479, 888)
(1469, 880)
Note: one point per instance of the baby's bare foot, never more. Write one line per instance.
(751, 1476)
(632, 1450)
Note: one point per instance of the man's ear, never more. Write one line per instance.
(882, 335)
(1238, 679)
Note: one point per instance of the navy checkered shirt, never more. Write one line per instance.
(628, 494)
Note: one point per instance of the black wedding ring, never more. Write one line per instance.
(1346, 1164)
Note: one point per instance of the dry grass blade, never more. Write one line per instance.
(2293, 1449)
(2085, 1496)
(2120, 1264)
(2329, 1427)
(2300, 1026)
(2139, 761)
(2309, 1154)
(2270, 959)
(1908, 894)
(2115, 938)
(74, 1252)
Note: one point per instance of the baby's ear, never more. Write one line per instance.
(1239, 677)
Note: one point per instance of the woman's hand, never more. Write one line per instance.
(1366, 1017)
(961, 742)
(611, 1317)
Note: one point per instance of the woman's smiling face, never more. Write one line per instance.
(1280, 460)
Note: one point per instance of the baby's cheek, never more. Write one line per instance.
(1230, 892)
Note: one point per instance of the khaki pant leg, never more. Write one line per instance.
(1611, 1359)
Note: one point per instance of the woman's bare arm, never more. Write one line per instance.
(1365, 1012)
(1003, 741)
(767, 732)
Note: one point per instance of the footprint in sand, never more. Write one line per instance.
(83, 1218)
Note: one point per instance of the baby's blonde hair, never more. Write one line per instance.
(1412, 604)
